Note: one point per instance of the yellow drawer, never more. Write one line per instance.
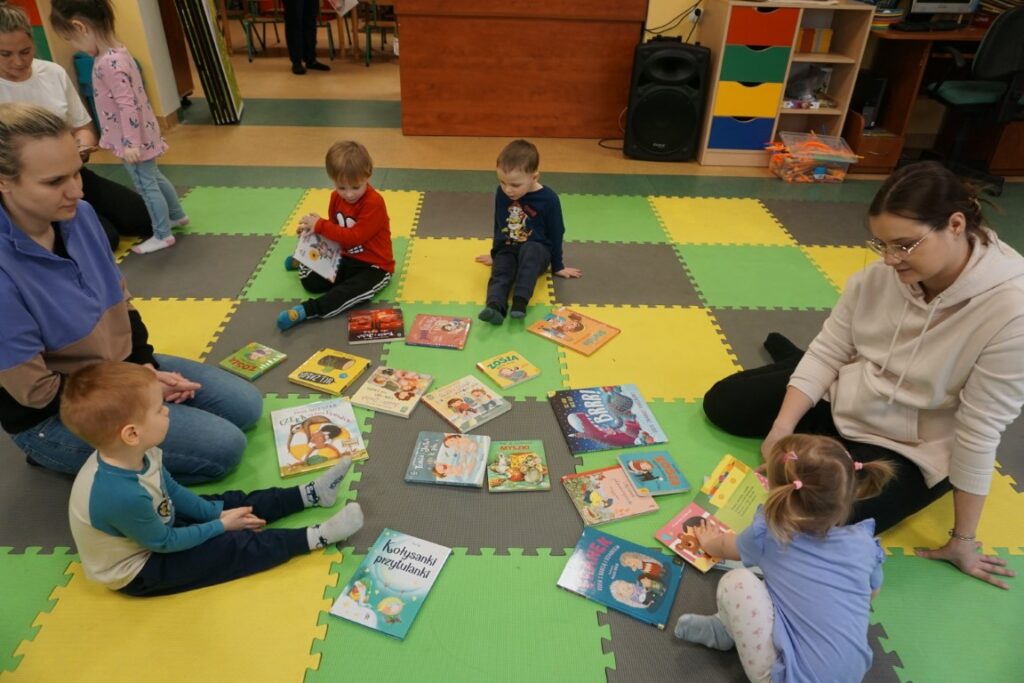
(748, 99)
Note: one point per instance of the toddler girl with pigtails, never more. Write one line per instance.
(808, 619)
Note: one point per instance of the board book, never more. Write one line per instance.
(574, 330)
(517, 466)
(252, 360)
(622, 575)
(316, 436)
(466, 403)
(653, 473)
(319, 254)
(392, 582)
(603, 418)
(439, 331)
(450, 459)
(375, 325)
(329, 371)
(392, 391)
(508, 369)
(605, 495)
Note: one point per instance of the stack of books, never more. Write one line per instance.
(885, 17)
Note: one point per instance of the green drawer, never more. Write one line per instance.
(754, 65)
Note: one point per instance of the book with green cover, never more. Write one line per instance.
(252, 360)
(517, 466)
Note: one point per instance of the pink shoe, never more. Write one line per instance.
(153, 244)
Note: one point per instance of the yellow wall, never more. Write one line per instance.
(661, 12)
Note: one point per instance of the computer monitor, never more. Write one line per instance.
(919, 7)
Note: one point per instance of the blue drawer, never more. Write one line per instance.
(728, 132)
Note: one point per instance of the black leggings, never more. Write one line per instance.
(120, 209)
(746, 404)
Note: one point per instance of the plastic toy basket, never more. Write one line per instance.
(810, 158)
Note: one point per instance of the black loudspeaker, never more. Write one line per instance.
(666, 101)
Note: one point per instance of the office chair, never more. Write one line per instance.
(994, 95)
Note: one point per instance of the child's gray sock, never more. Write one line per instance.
(323, 491)
(339, 527)
(707, 630)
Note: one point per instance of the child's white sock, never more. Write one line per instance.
(323, 491)
(337, 528)
(707, 630)
(154, 243)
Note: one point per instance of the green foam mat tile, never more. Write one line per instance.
(239, 210)
(597, 218)
(26, 582)
(742, 276)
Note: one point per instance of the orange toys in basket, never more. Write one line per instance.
(810, 158)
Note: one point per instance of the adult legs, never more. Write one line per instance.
(905, 494)
(117, 205)
(300, 31)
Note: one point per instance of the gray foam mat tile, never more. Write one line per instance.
(196, 267)
(1010, 453)
(745, 330)
(625, 274)
(822, 223)
(33, 502)
(882, 666)
(466, 517)
(255, 321)
(456, 214)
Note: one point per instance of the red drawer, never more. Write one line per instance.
(764, 26)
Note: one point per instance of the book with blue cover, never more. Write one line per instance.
(450, 459)
(653, 473)
(604, 418)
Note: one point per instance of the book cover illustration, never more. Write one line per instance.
(315, 436)
(449, 459)
(623, 576)
(605, 495)
(392, 391)
(372, 325)
(390, 585)
(466, 403)
(678, 535)
(603, 418)
(329, 371)
(508, 369)
(653, 473)
(441, 331)
(517, 466)
(319, 254)
(252, 360)
(576, 331)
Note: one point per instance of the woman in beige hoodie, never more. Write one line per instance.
(921, 362)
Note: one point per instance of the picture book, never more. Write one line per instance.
(441, 331)
(508, 369)
(622, 575)
(517, 466)
(329, 371)
(315, 436)
(252, 360)
(603, 418)
(373, 325)
(466, 403)
(319, 254)
(449, 459)
(392, 391)
(605, 495)
(653, 473)
(578, 332)
(392, 582)
(678, 535)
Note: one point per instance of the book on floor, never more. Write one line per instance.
(392, 391)
(319, 254)
(439, 331)
(375, 325)
(449, 459)
(517, 466)
(603, 418)
(329, 370)
(622, 575)
(508, 369)
(466, 403)
(605, 495)
(252, 360)
(390, 585)
(653, 473)
(574, 330)
(316, 436)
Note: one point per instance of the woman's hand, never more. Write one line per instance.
(770, 440)
(964, 556)
(484, 259)
(175, 387)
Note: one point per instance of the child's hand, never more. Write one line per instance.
(239, 519)
(307, 224)
(484, 259)
(708, 537)
(131, 155)
(569, 273)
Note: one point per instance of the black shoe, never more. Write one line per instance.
(518, 307)
(31, 462)
(780, 348)
(298, 69)
(318, 66)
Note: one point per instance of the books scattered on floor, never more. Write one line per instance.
(392, 391)
(653, 473)
(678, 535)
(315, 436)
(517, 466)
(603, 418)
(578, 332)
(448, 459)
(375, 325)
(466, 403)
(319, 254)
(329, 371)
(252, 360)
(508, 369)
(439, 331)
(605, 495)
(622, 575)
(390, 585)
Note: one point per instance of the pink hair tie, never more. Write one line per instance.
(857, 465)
(797, 484)
(790, 455)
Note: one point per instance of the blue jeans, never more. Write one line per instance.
(204, 441)
(158, 194)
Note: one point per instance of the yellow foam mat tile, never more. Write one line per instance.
(403, 210)
(260, 628)
(669, 353)
(1002, 522)
(314, 201)
(124, 246)
(700, 220)
(839, 263)
(184, 327)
